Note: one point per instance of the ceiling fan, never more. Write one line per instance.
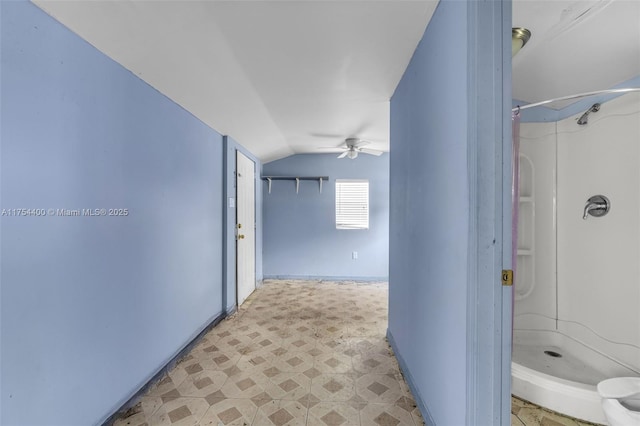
(354, 146)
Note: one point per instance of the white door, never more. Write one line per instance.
(245, 227)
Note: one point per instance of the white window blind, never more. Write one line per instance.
(352, 204)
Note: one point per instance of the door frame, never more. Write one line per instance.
(236, 230)
(229, 278)
(489, 303)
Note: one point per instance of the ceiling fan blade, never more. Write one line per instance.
(344, 154)
(326, 135)
(371, 151)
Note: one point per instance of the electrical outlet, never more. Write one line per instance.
(354, 255)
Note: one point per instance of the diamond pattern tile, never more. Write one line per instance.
(333, 418)
(386, 419)
(333, 386)
(297, 352)
(179, 414)
(281, 417)
(377, 388)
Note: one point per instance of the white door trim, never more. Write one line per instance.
(245, 227)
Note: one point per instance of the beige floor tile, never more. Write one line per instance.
(408, 404)
(281, 413)
(375, 363)
(517, 402)
(293, 361)
(232, 344)
(296, 352)
(245, 385)
(333, 414)
(236, 412)
(289, 386)
(385, 415)
(339, 345)
(299, 342)
(180, 412)
(333, 387)
(333, 363)
(219, 360)
(515, 421)
(256, 361)
(208, 340)
(365, 344)
(417, 417)
(367, 330)
(379, 388)
(201, 384)
(535, 416)
(166, 384)
(139, 413)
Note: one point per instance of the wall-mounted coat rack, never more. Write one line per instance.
(269, 179)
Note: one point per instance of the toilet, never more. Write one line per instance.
(621, 400)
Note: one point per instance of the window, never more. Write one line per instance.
(352, 204)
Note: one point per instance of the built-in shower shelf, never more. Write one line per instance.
(525, 262)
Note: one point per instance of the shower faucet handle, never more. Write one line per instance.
(596, 206)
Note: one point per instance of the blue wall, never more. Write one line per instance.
(449, 315)
(92, 307)
(300, 235)
(429, 218)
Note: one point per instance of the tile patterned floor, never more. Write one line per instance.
(296, 353)
(524, 413)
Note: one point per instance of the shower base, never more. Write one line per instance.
(564, 383)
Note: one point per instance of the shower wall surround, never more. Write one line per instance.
(594, 294)
(535, 289)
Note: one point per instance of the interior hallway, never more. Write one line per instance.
(296, 353)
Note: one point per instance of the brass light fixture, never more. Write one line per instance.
(519, 37)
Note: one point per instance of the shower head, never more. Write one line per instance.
(584, 118)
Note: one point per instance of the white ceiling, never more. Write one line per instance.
(280, 77)
(285, 77)
(576, 47)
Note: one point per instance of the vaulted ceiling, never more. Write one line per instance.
(280, 77)
(285, 77)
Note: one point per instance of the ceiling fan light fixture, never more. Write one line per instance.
(519, 37)
(352, 154)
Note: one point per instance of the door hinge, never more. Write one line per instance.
(507, 277)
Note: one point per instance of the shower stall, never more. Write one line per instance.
(577, 288)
